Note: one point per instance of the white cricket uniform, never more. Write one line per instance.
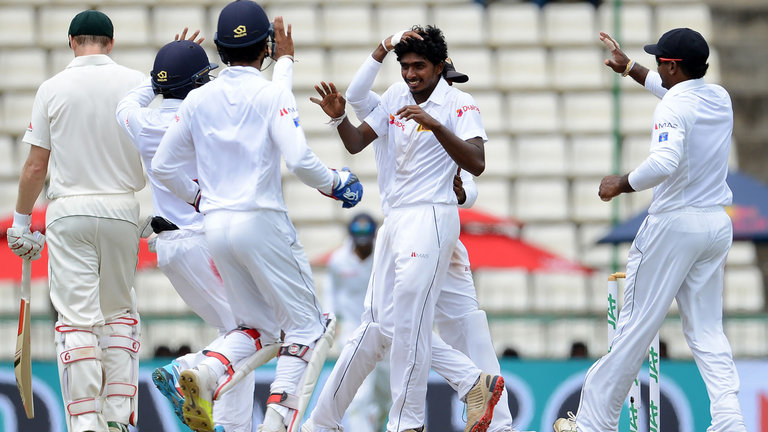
(236, 128)
(423, 228)
(92, 234)
(182, 254)
(456, 308)
(679, 253)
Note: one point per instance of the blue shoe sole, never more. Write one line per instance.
(164, 382)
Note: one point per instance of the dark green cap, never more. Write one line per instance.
(92, 23)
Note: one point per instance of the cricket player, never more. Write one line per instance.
(460, 322)
(182, 252)
(91, 226)
(423, 139)
(235, 129)
(680, 251)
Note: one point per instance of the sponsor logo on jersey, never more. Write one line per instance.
(664, 125)
(397, 123)
(288, 110)
(460, 112)
(296, 121)
(240, 31)
(419, 255)
(664, 136)
(29, 128)
(176, 118)
(162, 76)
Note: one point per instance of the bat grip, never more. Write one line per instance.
(26, 278)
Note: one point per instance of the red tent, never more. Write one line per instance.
(10, 264)
(493, 242)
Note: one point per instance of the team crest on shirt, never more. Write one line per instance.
(296, 121)
(421, 128)
(664, 136)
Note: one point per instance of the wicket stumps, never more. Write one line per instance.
(654, 396)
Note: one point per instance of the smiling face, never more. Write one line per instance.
(420, 74)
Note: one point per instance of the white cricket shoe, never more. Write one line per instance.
(481, 399)
(198, 385)
(566, 425)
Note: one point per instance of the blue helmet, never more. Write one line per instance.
(362, 229)
(179, 67)
(242, 23)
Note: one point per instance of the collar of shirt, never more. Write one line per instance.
(170, 103)
(235, 71)
(684, 86)
(438, 93)
(90, 60)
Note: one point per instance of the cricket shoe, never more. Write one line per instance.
(566, 425)
(198, 385)
(166, 380)
(481, 400)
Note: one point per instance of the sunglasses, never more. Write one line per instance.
(660, 60)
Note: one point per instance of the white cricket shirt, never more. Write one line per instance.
(423, 170)
(146, 127)
(72, 117)
(690, 142)
(236, 127)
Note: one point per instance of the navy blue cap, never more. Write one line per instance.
(681, 43)
(179, 67)
(241, 23)
(452, 74)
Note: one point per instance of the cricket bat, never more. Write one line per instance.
(22, 363)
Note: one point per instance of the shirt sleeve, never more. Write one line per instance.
(467, 121)
(653, 84)
(359, 94)
(175, 151)
(287, 134)
(39, 132)
(470, 189)
(282, 75)
(129, 108)
(667, 149)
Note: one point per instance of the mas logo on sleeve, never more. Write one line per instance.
(664, 125)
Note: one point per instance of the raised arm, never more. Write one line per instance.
(355, 139)
(620, 63)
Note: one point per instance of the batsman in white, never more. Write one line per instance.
(457, 317)
(425, 134)
(182, 251)
(679, 252)
(91, 225)
(235, 129)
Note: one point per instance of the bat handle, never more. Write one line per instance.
(26, 278)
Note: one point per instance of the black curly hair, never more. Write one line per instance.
(433, 47)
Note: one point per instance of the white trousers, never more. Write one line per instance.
(677, 255)
(184, 258)
(91, 267)
(269, 284)
(374, 337)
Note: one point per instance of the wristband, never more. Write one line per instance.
(630, 65)
(288, 56)
(384, 45)
(335, 122)
(22, 220)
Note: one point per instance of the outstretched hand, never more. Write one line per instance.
(283, 39)
(618, 61)
(331, 100)
(191, 37)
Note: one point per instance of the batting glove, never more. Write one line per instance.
(346, 188)
(24, 243)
